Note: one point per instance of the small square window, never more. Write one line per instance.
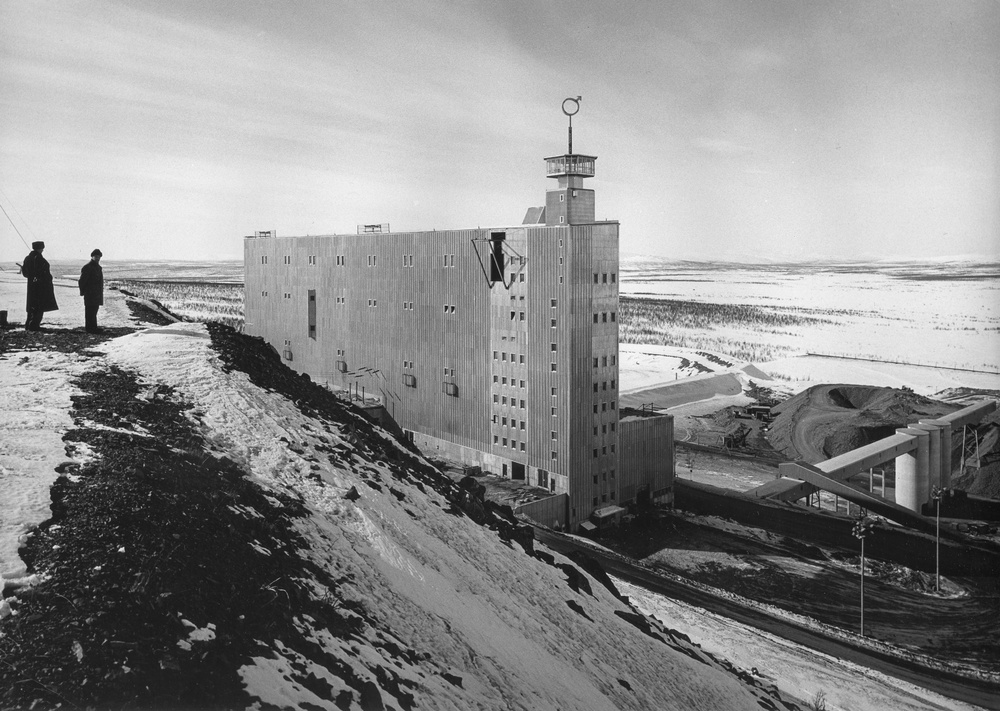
(604, 278)
(496, 378)
(554, 436)
(522, 446)
(553, 303)
(522, 404)
(553, 323)
(503, 380)
(495, 354)
(553, 392)
(496, 399)
(503, 400)
(552, 411)
(496, 439)
(521, 359)
(553, 347)
(595, 318)
(612, 277)
(504, 441)
(555, 456)
(613, 315)
(595, 277)
(553, 367)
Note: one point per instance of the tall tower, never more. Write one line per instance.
(570, 203)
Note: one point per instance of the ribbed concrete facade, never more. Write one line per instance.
(497, 347)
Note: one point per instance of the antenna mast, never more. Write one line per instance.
(575, 106)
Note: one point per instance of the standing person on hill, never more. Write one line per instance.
(41, 295)
(92, 290)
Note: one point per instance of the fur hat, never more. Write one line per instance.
(38, 245)
(97, 253)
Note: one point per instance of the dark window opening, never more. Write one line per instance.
(312, 313)
(497, 260)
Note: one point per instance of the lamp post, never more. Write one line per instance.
(863, 527)
(937, 493)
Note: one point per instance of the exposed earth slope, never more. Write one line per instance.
(225, 534)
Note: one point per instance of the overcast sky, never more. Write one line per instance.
(724, 130)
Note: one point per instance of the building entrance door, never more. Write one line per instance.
(517, 471)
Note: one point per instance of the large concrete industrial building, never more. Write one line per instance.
(493, 347)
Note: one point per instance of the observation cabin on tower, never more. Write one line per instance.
(569, 203)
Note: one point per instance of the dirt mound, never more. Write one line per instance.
(827, 420)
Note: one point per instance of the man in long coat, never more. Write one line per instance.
(41, 295)
(92, 290)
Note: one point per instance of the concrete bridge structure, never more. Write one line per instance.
(923, 457)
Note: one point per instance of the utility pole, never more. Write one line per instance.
(862, 528)
(937, 494)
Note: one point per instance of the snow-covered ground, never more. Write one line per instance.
(35, 390)
(936, 315)
(798, 671)
(454, 615)
(499, 620)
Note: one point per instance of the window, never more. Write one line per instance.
(612, 277)
(409, 380)
(450, 389)
(553, 323)
(521, 359)
(595, 318)
(562, 219)
(522, 404)
(496, 439)
(503, 380)
(612, 426)
(613, 317)
(612, 448)
(604, 450)
(523, 385)
(504, 441)
(520, 316)
(312, 313)
(604, 316)
(612, 360)
(562, 197)
(522, 424)
(595, 277)
(604, 360)
(555, 456)
(553, 347)
(503, 400)
(612, 383)
(553, 367)
(612, 404)
(496, 399)
(595, 386)
(595, 408)
(288, 260)
(496, 378)
(552, 411)
(522, 446)
(553, 392)
(604, 278)
(595, 362)
(604, 385)
(521, 278)
(554, 436)
(312, 259)
(595, 454)
(263, 260)
(503, 421)
(503, 356)
(553, 303)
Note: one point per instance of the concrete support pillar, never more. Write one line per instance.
(933, 454)
(944, 451)
(912, 488)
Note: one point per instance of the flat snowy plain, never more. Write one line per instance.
(36, 391)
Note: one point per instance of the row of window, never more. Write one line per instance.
(502, 400)
(604, 317)
(603, 451)
(603, 361)
(502, 421)
(513, 357)
(513, 443)
(604, 428)
(604, 407)
(604, 385)
(502, 380)
(604, 476)
(604, 498)
(604, 278)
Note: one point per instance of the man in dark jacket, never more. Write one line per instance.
(92, 290)
(41, 295)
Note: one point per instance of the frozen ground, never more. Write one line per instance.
(936, 315)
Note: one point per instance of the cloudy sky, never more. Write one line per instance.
(731, 130)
